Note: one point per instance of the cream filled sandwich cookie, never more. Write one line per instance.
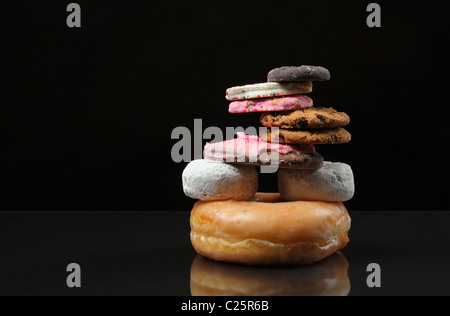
(268, 90)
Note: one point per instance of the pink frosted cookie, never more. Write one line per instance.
(291, 103)
(253, 151)
(268, 90)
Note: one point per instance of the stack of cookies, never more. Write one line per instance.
(306, 221)
(294, 122)
(292, 112)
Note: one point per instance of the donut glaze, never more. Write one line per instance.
(266, 233)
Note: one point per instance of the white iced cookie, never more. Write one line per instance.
(334, 182)
(268, 90)
(216, 181)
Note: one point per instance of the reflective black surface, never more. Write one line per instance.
(139, 253)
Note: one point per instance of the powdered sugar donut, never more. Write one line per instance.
(216, 181)
(268, 90)
(334, 182)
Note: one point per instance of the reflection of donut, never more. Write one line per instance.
(326, 278)
(269, 232)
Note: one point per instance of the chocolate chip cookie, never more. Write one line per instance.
(316, 137)
(311, 118)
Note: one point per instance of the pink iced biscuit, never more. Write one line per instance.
(250, 147)
(291, 103)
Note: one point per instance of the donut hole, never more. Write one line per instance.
(268, 198)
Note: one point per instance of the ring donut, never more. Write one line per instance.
(269, 232)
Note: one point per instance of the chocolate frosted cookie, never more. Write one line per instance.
(306, 161)
(311, 118)
(297, 74)
(317, 137)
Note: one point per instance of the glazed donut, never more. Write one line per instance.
(326, 278)
(265, 233)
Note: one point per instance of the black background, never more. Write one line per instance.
(86, 114)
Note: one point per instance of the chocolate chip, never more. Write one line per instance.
(302, 123)
(321, 118)
(266, 119)
(334, 138)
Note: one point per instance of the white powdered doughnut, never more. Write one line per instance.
(334, 182)
(215, 181)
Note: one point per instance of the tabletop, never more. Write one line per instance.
(149, 254)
